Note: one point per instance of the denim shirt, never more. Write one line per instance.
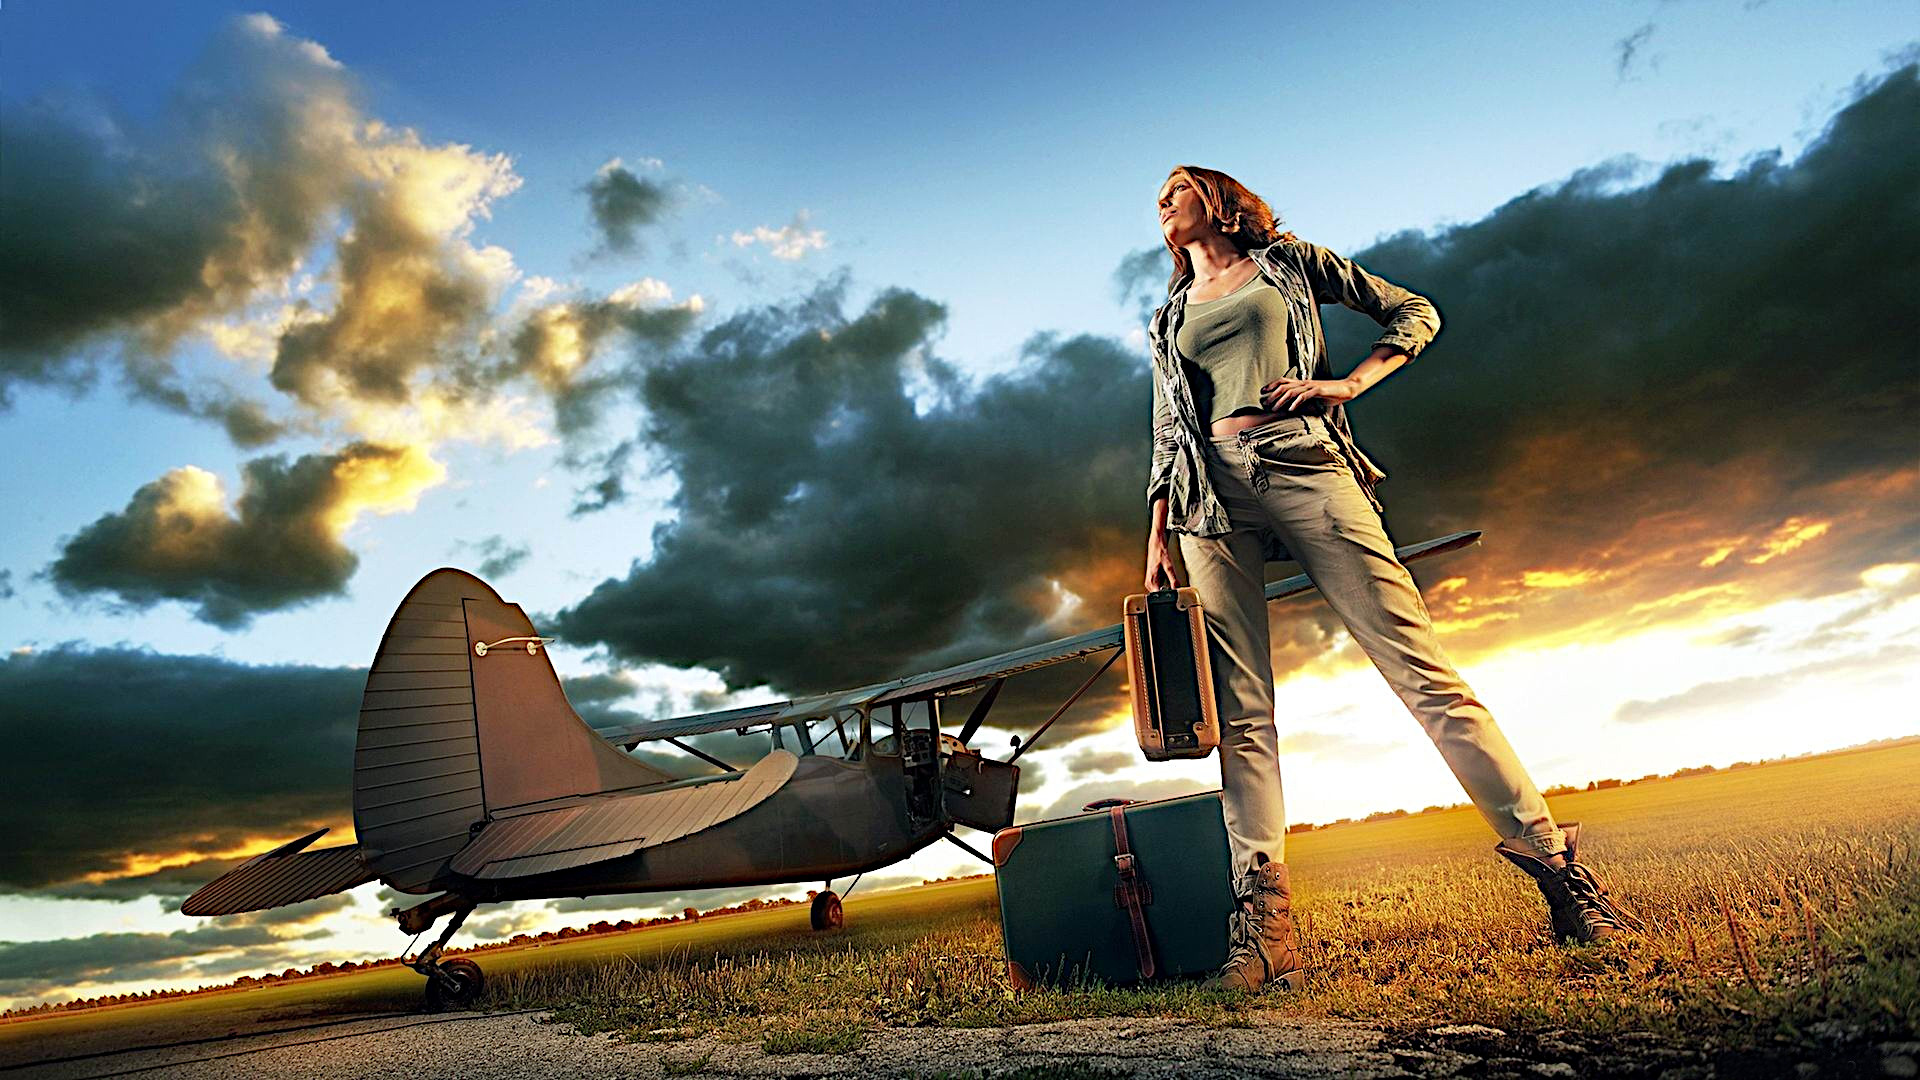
(1307, 276)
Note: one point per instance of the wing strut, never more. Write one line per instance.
(980, 710)
(1064, 706)
(703, 756)
(968, 848)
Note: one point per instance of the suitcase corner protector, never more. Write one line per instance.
(1018, 976)
(1004, 842)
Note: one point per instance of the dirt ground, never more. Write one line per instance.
(526, 1044)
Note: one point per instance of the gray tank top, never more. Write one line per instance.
(1232, 346)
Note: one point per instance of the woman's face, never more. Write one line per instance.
(1183, 217)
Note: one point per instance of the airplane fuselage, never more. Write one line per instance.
(833, 818)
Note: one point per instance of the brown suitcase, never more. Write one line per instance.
(1174, 713)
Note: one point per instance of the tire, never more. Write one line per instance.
(827, 914)
(456, 985)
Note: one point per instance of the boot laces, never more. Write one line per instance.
(1243, 939)
(1590, 897)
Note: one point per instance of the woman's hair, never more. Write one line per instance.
(1244, 218)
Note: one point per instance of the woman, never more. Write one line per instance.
(1253, 461)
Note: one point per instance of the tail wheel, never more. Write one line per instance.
(826, 911)
(454, 984)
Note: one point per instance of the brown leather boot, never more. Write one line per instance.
(1263, 950)
(1577, 902)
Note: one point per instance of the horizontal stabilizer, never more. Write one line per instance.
(286, 875)
(603, 827)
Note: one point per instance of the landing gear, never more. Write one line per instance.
(826, 911)
(451, 984)
(455, 984)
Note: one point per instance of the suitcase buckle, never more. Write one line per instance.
(1125, 864)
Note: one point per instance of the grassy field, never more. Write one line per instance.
(1782, 904)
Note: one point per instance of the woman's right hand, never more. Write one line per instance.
(1159, 562)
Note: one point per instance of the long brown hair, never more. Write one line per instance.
(1239, 214)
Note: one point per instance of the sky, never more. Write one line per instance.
(768, 351)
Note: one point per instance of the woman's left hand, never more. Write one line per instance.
(1285, 395)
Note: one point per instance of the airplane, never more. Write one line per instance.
(475, 779)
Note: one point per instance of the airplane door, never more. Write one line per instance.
(918, 725)
(978, 792)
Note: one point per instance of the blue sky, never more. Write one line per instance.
(999, 161)
(1001, 165)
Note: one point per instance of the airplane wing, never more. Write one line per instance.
(954, 679)
(596, 828)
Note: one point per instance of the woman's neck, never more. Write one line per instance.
(1213, 256)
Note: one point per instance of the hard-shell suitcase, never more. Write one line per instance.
(1128, 892)
(1168, 671)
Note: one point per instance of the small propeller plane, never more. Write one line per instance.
(475, 779)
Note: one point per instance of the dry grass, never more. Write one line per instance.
(1780, 903)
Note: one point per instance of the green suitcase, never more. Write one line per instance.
(1123, 894)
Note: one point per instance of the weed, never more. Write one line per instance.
(686, 1066)
(813, 1035)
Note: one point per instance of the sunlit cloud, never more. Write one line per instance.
(281, 543)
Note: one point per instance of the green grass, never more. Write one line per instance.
(1777, 898)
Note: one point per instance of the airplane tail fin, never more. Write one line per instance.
(464, 716)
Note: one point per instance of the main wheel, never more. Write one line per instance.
(456, 985)
(826, 911)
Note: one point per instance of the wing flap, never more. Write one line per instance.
(286, 875)
(612, 826)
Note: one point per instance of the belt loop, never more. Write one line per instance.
(1256, 476)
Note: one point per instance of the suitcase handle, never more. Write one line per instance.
(1107, 804)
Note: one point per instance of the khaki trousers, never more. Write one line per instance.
(1288, 476)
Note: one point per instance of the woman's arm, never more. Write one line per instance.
(1382, 362)
(1410, 319)
(1283, 394)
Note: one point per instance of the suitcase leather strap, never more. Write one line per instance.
(1132, 892)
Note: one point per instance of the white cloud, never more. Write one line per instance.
(790, 242)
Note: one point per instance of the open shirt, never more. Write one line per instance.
(1307, 276)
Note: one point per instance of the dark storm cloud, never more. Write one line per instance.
(278, 547)
(621, 204)
(1634, 374)
(831, 532)
(125, 238)
(557, 347)
(90, 958)
(1690, 396)
(121, 752)
(1697, 387)
(226, 194)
